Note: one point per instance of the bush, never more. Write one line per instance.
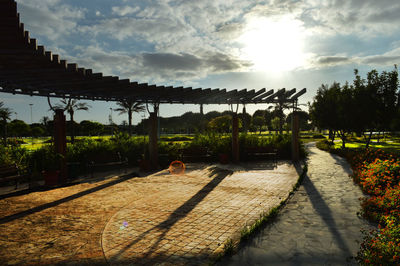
(377, 176)
(378, 173)
(381, 247)
(14, 155)
(377, 208)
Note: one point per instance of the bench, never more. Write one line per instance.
(11, 173)
(195, 154)
(261, 153)
(106, 160)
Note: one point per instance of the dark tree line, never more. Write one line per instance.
(363, 107)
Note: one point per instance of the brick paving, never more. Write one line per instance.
(160, 218)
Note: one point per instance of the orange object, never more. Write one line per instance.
(177, 168)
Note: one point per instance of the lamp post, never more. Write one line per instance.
(110, 120)
(31, 104)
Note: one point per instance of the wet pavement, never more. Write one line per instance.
(318, 226)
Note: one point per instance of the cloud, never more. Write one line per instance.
(155, 67)
(171, 61)
(364, 18)
(388, 58)
(172, 67)
(332, 60)
(124, 10)
(153, 30)
(50, 18)
(383, 60)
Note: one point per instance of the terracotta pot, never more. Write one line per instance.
(144, 165)
(51, 177)
(224, 158)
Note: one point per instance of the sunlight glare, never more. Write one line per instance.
(273, 45)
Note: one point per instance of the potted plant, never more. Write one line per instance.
(51, 166)
(223, 149)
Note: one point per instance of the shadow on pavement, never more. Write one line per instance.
(42, 207)
(324, 211)
(218, 174)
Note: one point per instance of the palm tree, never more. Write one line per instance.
(71, 106)
(129, 106)
(5, 114)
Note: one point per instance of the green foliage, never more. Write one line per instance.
(364, 106)
(45, 159)
(13, 155)
(18, 128)
(381, 247)
(221, 124)
(214, 142)
(90, 128)
(275, 123)
(259, 121)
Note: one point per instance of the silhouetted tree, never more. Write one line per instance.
(128, 107)
(5, 114)
(259, 122)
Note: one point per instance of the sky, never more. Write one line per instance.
(212, 44)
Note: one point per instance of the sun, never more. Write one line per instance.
(273, 45)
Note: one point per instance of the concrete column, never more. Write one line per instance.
(235, 138)
(295, 137)
(153, 147)
(201, 109)
(60, 142)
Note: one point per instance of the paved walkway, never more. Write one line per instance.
(160, 218)
(318, 226)
(186, 219)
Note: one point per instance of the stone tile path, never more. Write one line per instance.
(318, 226)
(187, 219)
(160, 218)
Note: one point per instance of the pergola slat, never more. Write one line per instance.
(30, 67)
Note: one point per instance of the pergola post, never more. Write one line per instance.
(235, 138)
(60, 142)
(153, 136)
(295, 137)
(244, 124)
(153, 147)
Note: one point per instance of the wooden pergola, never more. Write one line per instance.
(27, 68)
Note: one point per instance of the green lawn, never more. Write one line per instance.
(388, 145)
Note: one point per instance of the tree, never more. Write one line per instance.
(19, 128)
(91, 128)
(221, 123)
(37, 130)
(323, 110)
(304, 117)
(275, 123)
(129, 106)
(71, 106)
(47, 124)
(259, 121)
(5, 114)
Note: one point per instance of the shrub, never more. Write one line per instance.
(378, 173)
(381, 247)
(14, 155)
(377, 208)
(377, 176)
